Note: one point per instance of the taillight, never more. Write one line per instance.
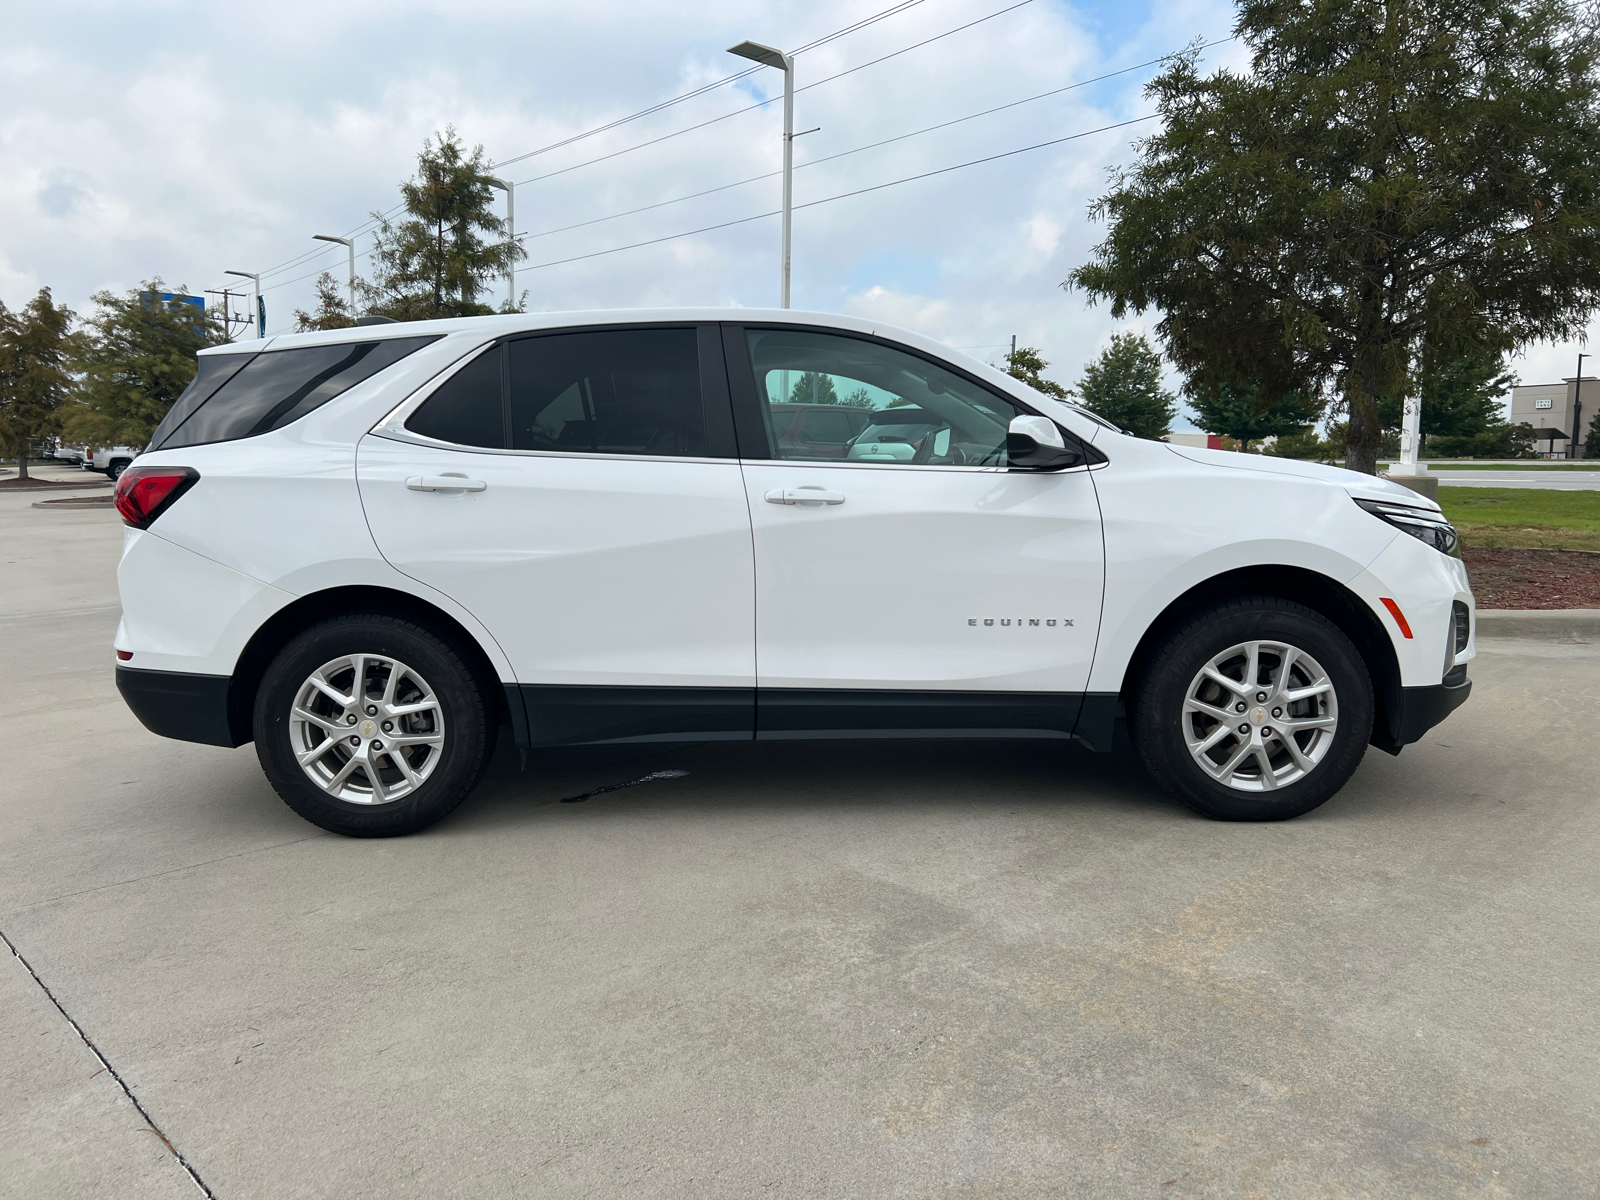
(144, 493)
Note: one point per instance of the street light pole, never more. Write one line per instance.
(770, 57)
(350, 286)
(1577, 405)
(260, 313)
(510, 189)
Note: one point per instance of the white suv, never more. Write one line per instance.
(369, 550)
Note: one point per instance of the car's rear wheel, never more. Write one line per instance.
(372, 726)
(116, 469)
(1256, 709)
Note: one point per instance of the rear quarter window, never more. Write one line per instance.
(277, 387)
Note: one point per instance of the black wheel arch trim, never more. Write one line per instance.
(1323, 595)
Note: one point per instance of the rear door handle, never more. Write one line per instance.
(444, 483)
(804, 495)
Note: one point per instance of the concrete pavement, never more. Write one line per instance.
(985, 969)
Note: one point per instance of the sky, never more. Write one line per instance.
(182, 140)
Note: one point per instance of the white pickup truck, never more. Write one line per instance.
(109, 460)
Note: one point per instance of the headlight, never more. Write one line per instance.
(1420, 523)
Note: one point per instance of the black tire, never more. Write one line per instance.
(1158, 712)
(115, 470)
(469, 724)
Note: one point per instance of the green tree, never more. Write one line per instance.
(135, 358)
(1306, 444)
(1123, 385)
(1026, 364)
(1249, 412)
(813, 387)
(450, 246)
(332, 311)
(35, 379)
(1389, 175)
(1591, 444)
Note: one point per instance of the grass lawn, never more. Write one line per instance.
(1500, 517)
(1532, 464)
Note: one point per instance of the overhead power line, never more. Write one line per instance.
(739, 112)
(366, 226)
(869, 146)
(877, 187)
(700, 91)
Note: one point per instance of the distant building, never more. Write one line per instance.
(1200, 441)
(1547, 408)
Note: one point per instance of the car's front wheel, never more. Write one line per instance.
(372, 726)
(1256, 709)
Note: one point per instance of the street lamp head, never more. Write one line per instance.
(497, 183)
(328, 237)
(243, 274)
(765, 55)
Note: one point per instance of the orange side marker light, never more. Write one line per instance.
(1399, 617)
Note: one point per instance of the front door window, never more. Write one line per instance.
(831, 397)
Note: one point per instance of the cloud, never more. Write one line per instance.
(182, 139)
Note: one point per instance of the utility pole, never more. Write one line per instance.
(1012, 361)
(510, 189)
(260, 309)
(1577, 407)
(770, 57)
(228, 318)
(350, 286)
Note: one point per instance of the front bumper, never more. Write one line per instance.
(1417, 710)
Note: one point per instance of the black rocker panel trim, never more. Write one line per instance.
(785, 713)
(177, 704)
(560, 715)
(563, 715)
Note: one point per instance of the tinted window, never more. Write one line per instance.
(625, 391)
(213, 371)
(903, 409)
(280, 386)
(467, 408)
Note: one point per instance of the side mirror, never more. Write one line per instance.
(1036, 444)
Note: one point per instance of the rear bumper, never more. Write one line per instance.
(175, 704)
(1418, 710)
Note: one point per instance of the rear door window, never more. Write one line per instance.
(623, 391)
(278, 387)
(466, 409)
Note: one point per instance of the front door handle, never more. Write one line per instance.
(804, 495)
(444, 483)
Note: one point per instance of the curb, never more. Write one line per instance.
(1543, 625)
(73, 503)
(55, 487)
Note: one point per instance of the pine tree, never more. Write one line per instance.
(136, 357)
(35, 379)
(813, 388)
(332, 311)
(450, 246)
(1251, 411)
(1388, 176)
(1025, 363)
(1123, 385)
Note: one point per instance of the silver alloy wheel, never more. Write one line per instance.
(366, 729)
(1260, 715)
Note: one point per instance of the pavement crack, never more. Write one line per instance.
(105, 1065)
(169, 871)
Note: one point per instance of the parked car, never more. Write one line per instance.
(62, 452)
(821, 430)
(109, 460)
(370, 551)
